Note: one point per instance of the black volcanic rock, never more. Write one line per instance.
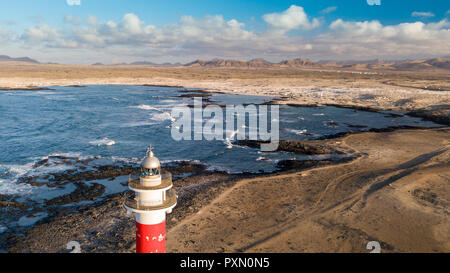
(293, 146)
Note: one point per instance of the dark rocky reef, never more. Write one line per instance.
(297, 165)
(439, 115)
(293, 146)
(28, 88)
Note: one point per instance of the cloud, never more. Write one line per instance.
(215, 36)
(4, 35)
(131, 24)
(422, 14)
(371, 38)
(42, 33)
(328, 10)
(292, 18)
(92, 20)
(73, 2)
(72, 20)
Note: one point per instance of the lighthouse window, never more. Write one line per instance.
(150, 172)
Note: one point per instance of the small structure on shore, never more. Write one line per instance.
(149, 199)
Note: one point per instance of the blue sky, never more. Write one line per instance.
(54, 31)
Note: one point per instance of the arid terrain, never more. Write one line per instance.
(394, 187)
(372, 88)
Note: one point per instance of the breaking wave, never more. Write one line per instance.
(103, 142)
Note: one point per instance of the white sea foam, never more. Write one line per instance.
(145, 107)
(3, 229)
(13, 172)
(192, 161)
(13, 188)
(163, 116)
(298, 132)
(68, 154)
(133, 160)
(168, 101)
(45, 93)
(321, 114)
(228, 139)
(103, 142)
(137, 124)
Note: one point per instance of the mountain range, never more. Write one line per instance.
(4, 58)
(423, 64)
(407, 65)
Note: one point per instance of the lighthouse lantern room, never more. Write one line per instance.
(149, 199)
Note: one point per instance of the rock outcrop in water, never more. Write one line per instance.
(293, 146)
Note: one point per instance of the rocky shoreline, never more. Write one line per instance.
(195, 186)
(103, 226)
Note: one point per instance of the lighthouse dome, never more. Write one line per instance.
(150, 166)
(150, 162)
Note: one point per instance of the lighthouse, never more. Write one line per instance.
(149, 199)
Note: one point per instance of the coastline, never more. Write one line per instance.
(408, 92)
(392, 191)
(383, 194)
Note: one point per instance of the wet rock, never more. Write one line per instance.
(191, 95)
(298, 165)
(28, 88)
(185, 167)
(355, 126)
(293, 146)
(395, 115)
(102, 172)
(83, 192)
(13, 204)
(439, 115)
(331, 123)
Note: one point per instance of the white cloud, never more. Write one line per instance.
(371, 38)
(4, 35)
(131, 24)
(92, 20)
(422, 14)
(73, 2)
(72, 20)
(292, 18)
(328, 10)
(42, 33)
(215, 36)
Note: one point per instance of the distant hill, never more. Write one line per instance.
(146, 63)
(298, 62)
(440, 63)
(4, 58)
(255, 63)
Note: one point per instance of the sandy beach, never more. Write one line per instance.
(392, 189)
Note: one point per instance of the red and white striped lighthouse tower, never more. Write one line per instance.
(150, 198)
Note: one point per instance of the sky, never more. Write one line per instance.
(115, 31)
